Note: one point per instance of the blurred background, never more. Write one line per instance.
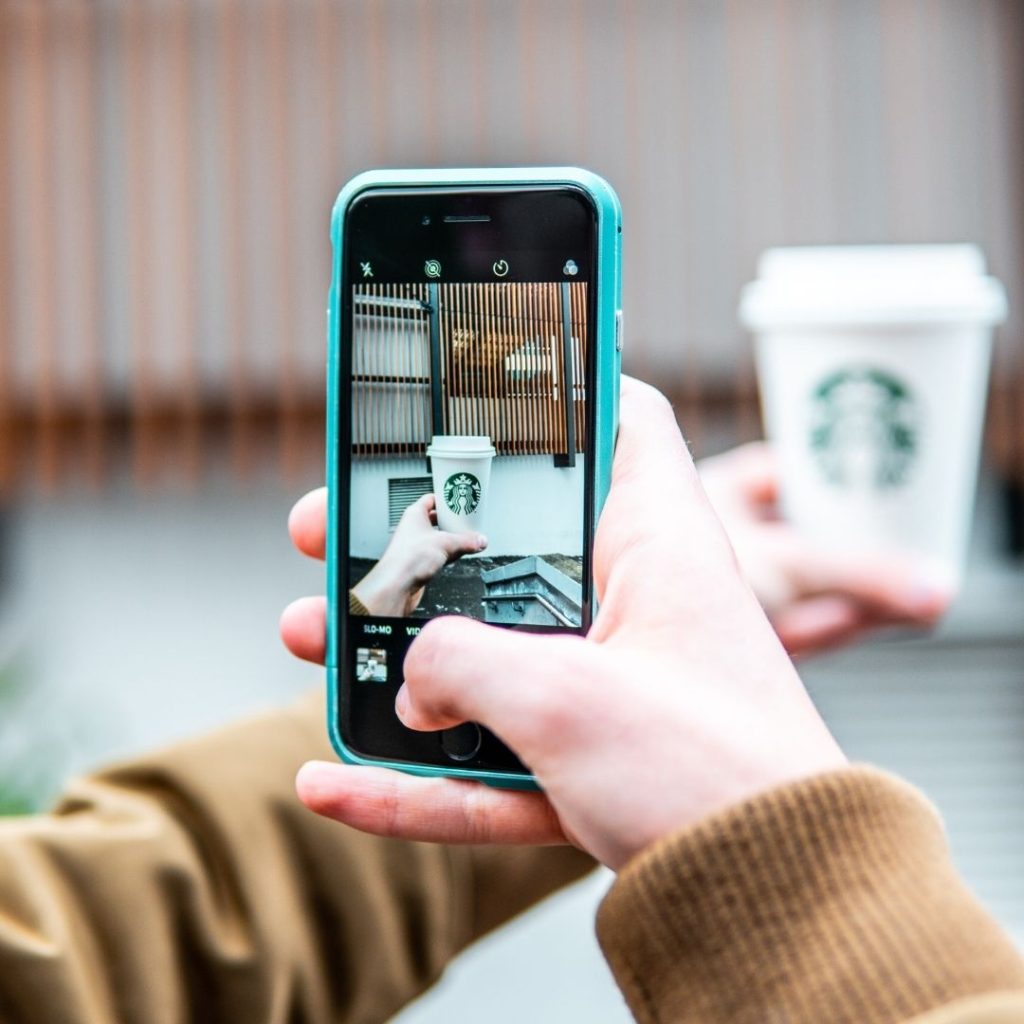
(167, 169)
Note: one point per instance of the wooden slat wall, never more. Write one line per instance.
(502, 370)
(169, 166)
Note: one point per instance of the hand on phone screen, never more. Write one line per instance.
(679, 702)
(415, 554)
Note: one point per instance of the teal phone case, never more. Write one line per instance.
(606, 391)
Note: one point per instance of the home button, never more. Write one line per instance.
(463, 742)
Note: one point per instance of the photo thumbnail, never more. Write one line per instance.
(371, 665)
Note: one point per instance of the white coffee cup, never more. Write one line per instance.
(873, 368)
(461, 466)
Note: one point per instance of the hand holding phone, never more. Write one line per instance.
(680, 701)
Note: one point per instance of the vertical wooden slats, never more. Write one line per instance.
(328, 28)
(478, 351)
(527, 64)
(552, 322)
(135, 31)
(231, 32)
(580, 66)
(430, 57)
(496, 376)
(213, 104)
(456, 296)
(505, 298)
(183, 237)
(88, 318)
(519, 411)
(423, 372)
(526, 309)
(279, 72)
(44, 293)
(579, 332)
(504, 425)
(403, 368)
(7, 445)
(373, 388)
(380, 86)
(741, 54)
(522, 301)
(1011, 60)
(689, 387)
(551, 319)
(480, 79)
(501, 360)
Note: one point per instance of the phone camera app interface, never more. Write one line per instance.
(467, 459)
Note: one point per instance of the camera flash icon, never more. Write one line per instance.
(570, 268)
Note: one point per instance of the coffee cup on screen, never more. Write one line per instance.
(873, 369)
(461, 468)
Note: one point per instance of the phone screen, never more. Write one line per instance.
(467, 365)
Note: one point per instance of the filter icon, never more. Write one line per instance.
(570, 269)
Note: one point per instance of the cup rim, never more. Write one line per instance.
(473, 446)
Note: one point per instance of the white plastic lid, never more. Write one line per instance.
(871, 284)
(461, 446)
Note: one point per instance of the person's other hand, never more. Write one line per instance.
(816, 597)
(681, 701)
(416, 553)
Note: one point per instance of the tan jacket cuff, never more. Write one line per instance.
(829, 899)
(992, 1008)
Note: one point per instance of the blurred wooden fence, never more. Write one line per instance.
(168, 169)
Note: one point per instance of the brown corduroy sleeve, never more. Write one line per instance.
(193, 886)
(831, 899)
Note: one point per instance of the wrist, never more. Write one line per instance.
(379, 592)
(782, 877)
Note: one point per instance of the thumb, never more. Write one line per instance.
(516, 684)
(455, 545)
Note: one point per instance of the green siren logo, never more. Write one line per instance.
(462, 493)
(864, 429)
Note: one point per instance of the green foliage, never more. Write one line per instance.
(13, 804)
(18, 793)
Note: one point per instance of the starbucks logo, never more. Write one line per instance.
(864, 429)
(462, 493)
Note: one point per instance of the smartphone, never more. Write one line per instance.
(474, 338)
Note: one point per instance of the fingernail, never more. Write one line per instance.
(481, 541)
(314, 774)
(931, 592)
(402, 701)
(927, 601)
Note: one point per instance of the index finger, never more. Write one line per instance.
(388, 803)
(307, 523)
(657, 524)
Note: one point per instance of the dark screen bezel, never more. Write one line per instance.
(366, 720)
